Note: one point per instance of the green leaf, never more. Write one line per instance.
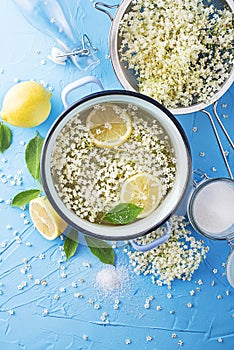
(5, 137)
(101, 250)
(33, 156)
(123, 213)
(24, 197)
(70, 244)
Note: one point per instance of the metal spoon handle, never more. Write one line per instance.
(219, 142)
(221, 124)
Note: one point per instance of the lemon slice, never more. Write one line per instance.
(109, 126)
(144, 190)
(45, 218)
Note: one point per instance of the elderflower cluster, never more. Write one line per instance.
(178, 258)
(181, 50)
(89, 178)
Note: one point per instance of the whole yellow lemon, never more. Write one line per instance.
(26, 104)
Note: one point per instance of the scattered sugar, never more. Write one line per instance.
(112, 279)
(213, 207)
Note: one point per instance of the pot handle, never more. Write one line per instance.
(100, 6)
(154, 244)
(76, 84)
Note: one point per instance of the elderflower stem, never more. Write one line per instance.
(179, 257)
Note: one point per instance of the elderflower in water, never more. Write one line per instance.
(89, 179)
(181, 50)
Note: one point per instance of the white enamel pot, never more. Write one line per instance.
(173, 199)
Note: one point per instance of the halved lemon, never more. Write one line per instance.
(45, 218)
(109, 125)
(144, 190)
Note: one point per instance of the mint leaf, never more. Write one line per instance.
(5, 137)
(33, 156)
(70, 244)
(101, 250)
(123, 213)
(24, 197)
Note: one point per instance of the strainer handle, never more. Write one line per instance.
(154, 244)
(76, 84)
(219, 142)
(100, 6)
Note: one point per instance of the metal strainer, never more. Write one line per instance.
(128, 77)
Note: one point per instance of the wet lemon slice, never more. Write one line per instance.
(109, 126)
(144, 190)
(45, 218)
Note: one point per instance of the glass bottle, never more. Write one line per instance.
(54, 18)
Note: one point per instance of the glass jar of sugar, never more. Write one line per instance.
(211, 213)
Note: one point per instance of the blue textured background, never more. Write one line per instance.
(69, 318)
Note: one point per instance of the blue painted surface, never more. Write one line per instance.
(69, 317)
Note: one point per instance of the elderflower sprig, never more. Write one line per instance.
(181, 51)
(178, 258)
(89, 178)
